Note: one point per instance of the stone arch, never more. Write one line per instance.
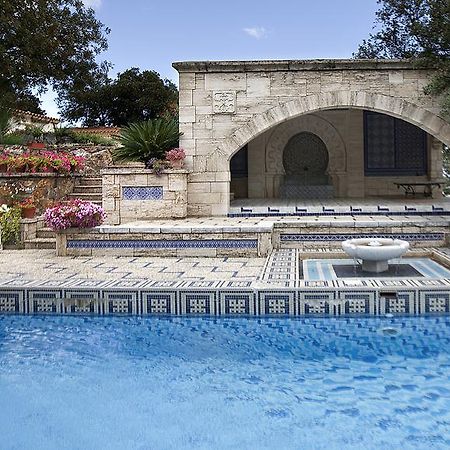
(310, 123)
(397, 107)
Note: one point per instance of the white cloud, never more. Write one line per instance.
(256, 32)
(93, 3)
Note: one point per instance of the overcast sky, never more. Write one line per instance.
(152, 34)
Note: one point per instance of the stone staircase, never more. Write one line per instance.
(87, 188)
(45, 239)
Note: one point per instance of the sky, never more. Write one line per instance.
(152, 34)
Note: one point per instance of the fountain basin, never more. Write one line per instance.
(375, 253)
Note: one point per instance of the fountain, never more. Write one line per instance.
(375, 253)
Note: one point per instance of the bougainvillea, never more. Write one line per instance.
(74, 214)
(44, 161)
(176, 154)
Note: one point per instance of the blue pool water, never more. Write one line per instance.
(205, 383)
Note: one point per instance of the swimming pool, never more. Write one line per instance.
(224, 383)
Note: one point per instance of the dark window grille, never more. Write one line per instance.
(393, 146)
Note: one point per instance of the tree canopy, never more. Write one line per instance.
(418, 29)
(46, 42)
(131, 97)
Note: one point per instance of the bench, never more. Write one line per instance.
(411, 188)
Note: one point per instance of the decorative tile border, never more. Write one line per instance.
(281, 268)
(162, 243)
(326, 237)
(142, 193)
(227, 302)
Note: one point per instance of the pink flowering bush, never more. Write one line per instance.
(176, 154)
(43, 161)
(74, 214)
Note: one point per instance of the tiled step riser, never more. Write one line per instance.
(336, 246)
(110, 241)
(333, 243)
(396, 209)
(330, 237)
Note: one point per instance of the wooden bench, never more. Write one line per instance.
(410, 188)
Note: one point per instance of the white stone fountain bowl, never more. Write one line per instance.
(373, 249)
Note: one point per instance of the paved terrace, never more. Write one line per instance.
(39, 282)
(255, 224)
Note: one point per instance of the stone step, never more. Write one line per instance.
(45, 233)
(87, 189)
(90, 181)
(86, 196)
(40, 243)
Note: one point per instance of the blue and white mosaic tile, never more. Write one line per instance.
(324, 269)
(162, 243)
(142, 192)
(313, 302)
(330, 237)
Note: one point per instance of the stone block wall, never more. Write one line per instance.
(225, 105)
(131, 194)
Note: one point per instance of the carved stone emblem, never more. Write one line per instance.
(224, 102)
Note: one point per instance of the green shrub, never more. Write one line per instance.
(15, 138)
(7, 125)
(146, 140)
(10, 225)
(66, 135)
(90, 138)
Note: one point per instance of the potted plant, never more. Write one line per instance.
(28, 208)
(36, 135)
(176, 157)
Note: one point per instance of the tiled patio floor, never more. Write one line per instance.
(42, 267)
(40, 282)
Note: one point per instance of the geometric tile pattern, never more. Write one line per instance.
(326, 237)
(225, 302)
(338, 207)
(207, 286)
(142, 192)
(163, 243)
(281, 268)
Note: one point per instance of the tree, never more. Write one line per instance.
(417, 29)
(133, 96)
(46, 42)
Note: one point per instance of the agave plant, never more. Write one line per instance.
(143, 141)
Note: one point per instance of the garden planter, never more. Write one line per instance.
(28, 213)
(36, 146)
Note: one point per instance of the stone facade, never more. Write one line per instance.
(134, 193)
(226, 105)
